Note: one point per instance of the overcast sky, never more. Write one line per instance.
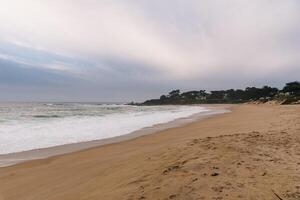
(122, 50)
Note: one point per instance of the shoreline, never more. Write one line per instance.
(35, 154)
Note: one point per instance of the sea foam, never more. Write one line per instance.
(22, 130)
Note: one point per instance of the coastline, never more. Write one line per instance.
(19, 157)
(249, 153)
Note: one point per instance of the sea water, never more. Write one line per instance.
(28, 126)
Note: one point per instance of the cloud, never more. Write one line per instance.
(16, 74)
(165, 41)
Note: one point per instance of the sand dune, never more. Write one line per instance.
(251, 153)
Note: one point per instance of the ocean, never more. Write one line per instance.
(29, 126)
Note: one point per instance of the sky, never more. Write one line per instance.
(132, 50)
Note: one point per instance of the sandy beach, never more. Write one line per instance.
(251, 153)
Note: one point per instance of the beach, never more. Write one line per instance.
(252, 152)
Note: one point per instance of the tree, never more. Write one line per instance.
(217, 94)
(163, 97)
(191, 94)
(267, 91)
(203, 94)
(293, 88)
(174, 93)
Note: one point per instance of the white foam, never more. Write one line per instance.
(17, 136)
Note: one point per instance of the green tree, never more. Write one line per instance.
(174, 93)
(163, 97)
(293, 88)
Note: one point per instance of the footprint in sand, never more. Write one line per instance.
(171, 168)
(172, 196)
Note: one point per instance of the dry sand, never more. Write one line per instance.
(251, 153)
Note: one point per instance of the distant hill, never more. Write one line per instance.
(289, 94)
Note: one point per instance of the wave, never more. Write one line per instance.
(19, 135)
(46, 116)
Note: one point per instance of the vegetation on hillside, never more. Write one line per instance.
(290, 94)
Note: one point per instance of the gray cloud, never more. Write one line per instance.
(157, 45)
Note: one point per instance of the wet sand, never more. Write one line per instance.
(250, 153)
